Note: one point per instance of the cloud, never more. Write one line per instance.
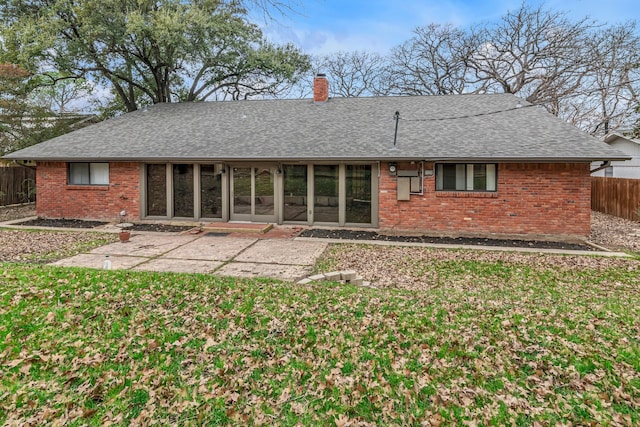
(321, 42)
(328, 26)
(377, 26)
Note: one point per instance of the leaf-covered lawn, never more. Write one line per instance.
(499, 344)
(45, 246)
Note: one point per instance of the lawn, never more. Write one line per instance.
(492, 342)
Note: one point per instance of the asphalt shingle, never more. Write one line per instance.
(458, 127)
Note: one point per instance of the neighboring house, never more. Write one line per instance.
(458, 165)
(627, 168)
(15, 130)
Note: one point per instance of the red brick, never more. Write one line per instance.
(532, 200)
(57, 199)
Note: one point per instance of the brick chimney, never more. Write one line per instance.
(320, 88)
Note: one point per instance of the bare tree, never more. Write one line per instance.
(352, 74)
(533, 52)
(607, 98)
(432, 62)
(582, 71)
(59, 94)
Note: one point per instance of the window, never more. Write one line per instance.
(466, 177)
(295, 192)
(358, 190)
(89, 173)
(183, 197)
(211, 191)
(326, 193)
(157, 190)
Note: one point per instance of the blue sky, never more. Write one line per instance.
(326, 26)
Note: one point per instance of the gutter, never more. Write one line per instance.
(383, 158)
(604, 165)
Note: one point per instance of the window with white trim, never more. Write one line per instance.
(89, 173)
(466, 177)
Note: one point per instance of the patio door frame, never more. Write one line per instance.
(253, 217)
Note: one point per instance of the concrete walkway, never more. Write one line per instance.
(283, 259)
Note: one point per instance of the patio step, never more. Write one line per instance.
(235, 227)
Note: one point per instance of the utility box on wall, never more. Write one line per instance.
(409, 182)
(404, 188)
(415, 184)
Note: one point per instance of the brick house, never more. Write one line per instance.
(457, 165)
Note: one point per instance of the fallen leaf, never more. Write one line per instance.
(88, 413)
(341, 421)
(14, 363)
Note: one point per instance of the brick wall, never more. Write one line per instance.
(541, 200)
(532, 200)
(57, 199)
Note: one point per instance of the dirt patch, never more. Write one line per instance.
(344, 234)
(615, 233)
(10, 213)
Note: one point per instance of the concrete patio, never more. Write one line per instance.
(248, 256)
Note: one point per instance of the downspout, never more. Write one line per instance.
(604, 165)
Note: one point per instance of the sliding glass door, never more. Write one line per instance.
(253, 194)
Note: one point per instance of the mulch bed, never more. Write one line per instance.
(160, 228)
(62, 223)
(332, 234)
(77, 223)
(372, 235)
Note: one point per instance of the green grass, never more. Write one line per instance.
(500, 345)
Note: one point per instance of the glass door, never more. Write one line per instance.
(183, 190)
(253, 194)
(295, 193)
(211, 191)
(241, 194)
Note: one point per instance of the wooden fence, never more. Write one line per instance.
(17, 185)
(616, 196)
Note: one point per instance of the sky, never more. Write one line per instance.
(327, 26)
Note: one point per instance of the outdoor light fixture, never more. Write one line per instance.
(393, 169)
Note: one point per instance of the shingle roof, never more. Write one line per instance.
(457, 127)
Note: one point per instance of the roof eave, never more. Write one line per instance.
(392, 158)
